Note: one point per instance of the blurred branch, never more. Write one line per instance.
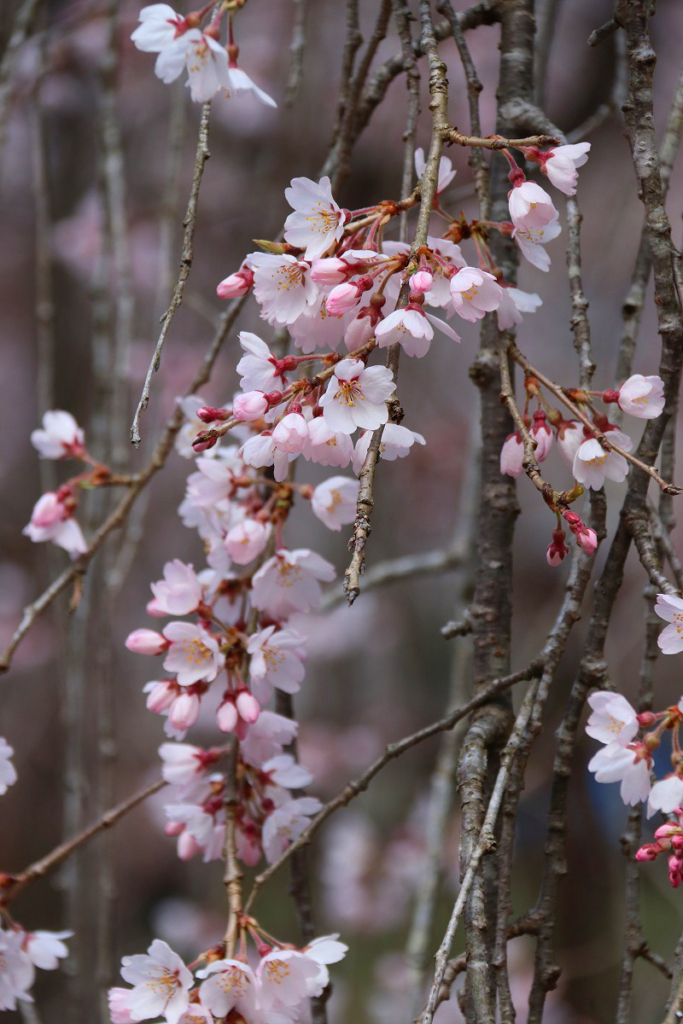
(396, 570)
(391, 752)
(186, 258)
(297, 50)
(22, 27)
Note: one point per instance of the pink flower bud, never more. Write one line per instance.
(235, 285)
(174, 828)
(154, 609)
(184, 711)
(542, 434)
(342, 298)
(187, 846)
(250, 406)
(421, 282)
(209, 414)
(248, 707)
(650, 851)
(511, 455)
(646, 719)
(329, 271)
(202, 444)
(360, 330)
(274, 397)
(48, 511)
(146, 641)
(227, 716)
(610, 396)
(557, 549)
(162, 696)
(587, 540)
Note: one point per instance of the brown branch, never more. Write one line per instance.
(297, 51)
(23, 24)
(497, 141)
(186, 258)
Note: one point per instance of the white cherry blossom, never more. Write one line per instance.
(642, 397)
(450, 254)
(8, 773)
(180, 592)
(60, 437)
(561, 163)
(229, 985)
(286, 824)
(395, 444)
(530, 206)
(334, 501)
(628, 765)
(16, 970)
(275, 661)
(46, 949)
(285, 977)
(474, 293)
(160, 983)
(159, 26)
(412, 329)
(513, 303)
(445, 174)
(193, 653)
(262, 450)
(356, 396)
(326, 446)
(258, 365)
(204, 58)
(594, 464)
(51, 520)
(247, 540)
(532, 240)
(283, 286)
(317, 222)
(240, 84)
(570, 437)
(288, 582)
(284, 771)
(665, 795)
(613, 719)
(267, 737)
(670, 608)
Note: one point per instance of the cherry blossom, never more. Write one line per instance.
(670, 608)
(146, 641)
(117, 999)
(258, 366)
(285, 977)
(334, 501)
(190, 405)
(474, 293)
(204, 58)
(395, 443)
(252, 405)
(318, 328)
(193, 653)
(326, 446)
(286, 824)
(183, 764)
(235, 285)
(556, 551)
(570, 437)
(267, 737)
(511, 455)
(8, 773)
(542, 434)
(275, 661)
(356, 396)
(326, 950)
(531, 242)
(629, 765)
(46, 949)
(263, 450)
(642, 397)
(613, 719)
(160, 983)
(594, 464)
(561, 162)
(159, 26)
(283, 287)
(180, 592)
(665, 795)
(317, 222)
(284, 771)
(52, 519)
(288, 582)
(228, 985)
(240, 84)
(412, 328)
(445, 173)
(60, 437)
(16, 970)
(513, 303)
(246, 541)
(530, 206)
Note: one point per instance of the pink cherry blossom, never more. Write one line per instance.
(258, 366)
(16, 970)
(513, 303)
(343, 298)
(183, 712)
(334, 501)
(8, 773)
(291, 433)
(530, 206)
(60, 437)
(267, 737)
(247, 540)
(474, 293)
(395, 444)
(317, 328)
(412, 329)
(283, 286)
(629, 765)
(356, 396)
(146, 641)
(326, 446)
(317, 222)
(162, 693)
(329, 271)
(288, 582)
(557, 550)
(229, 985)
(237, 284)
(511, 455)
(180, 592)
(160, 983)
(250, 406)
(284, 977)
(446, 255)
(531, 242)
(52, 520)
(561, 163)
(613, 719)
(262, 450)
(642, 397)
(275, 661)
(248, 707)
(670, 608)
(542, 434)
(286, 824)
(193, 654)
(118, 1002)
(183, 764)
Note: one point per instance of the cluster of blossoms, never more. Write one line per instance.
(630, 739)
(276, 990)
(22, 951)
(591, 461)
(182, 44)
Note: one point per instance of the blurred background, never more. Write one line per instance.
(376, 671)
